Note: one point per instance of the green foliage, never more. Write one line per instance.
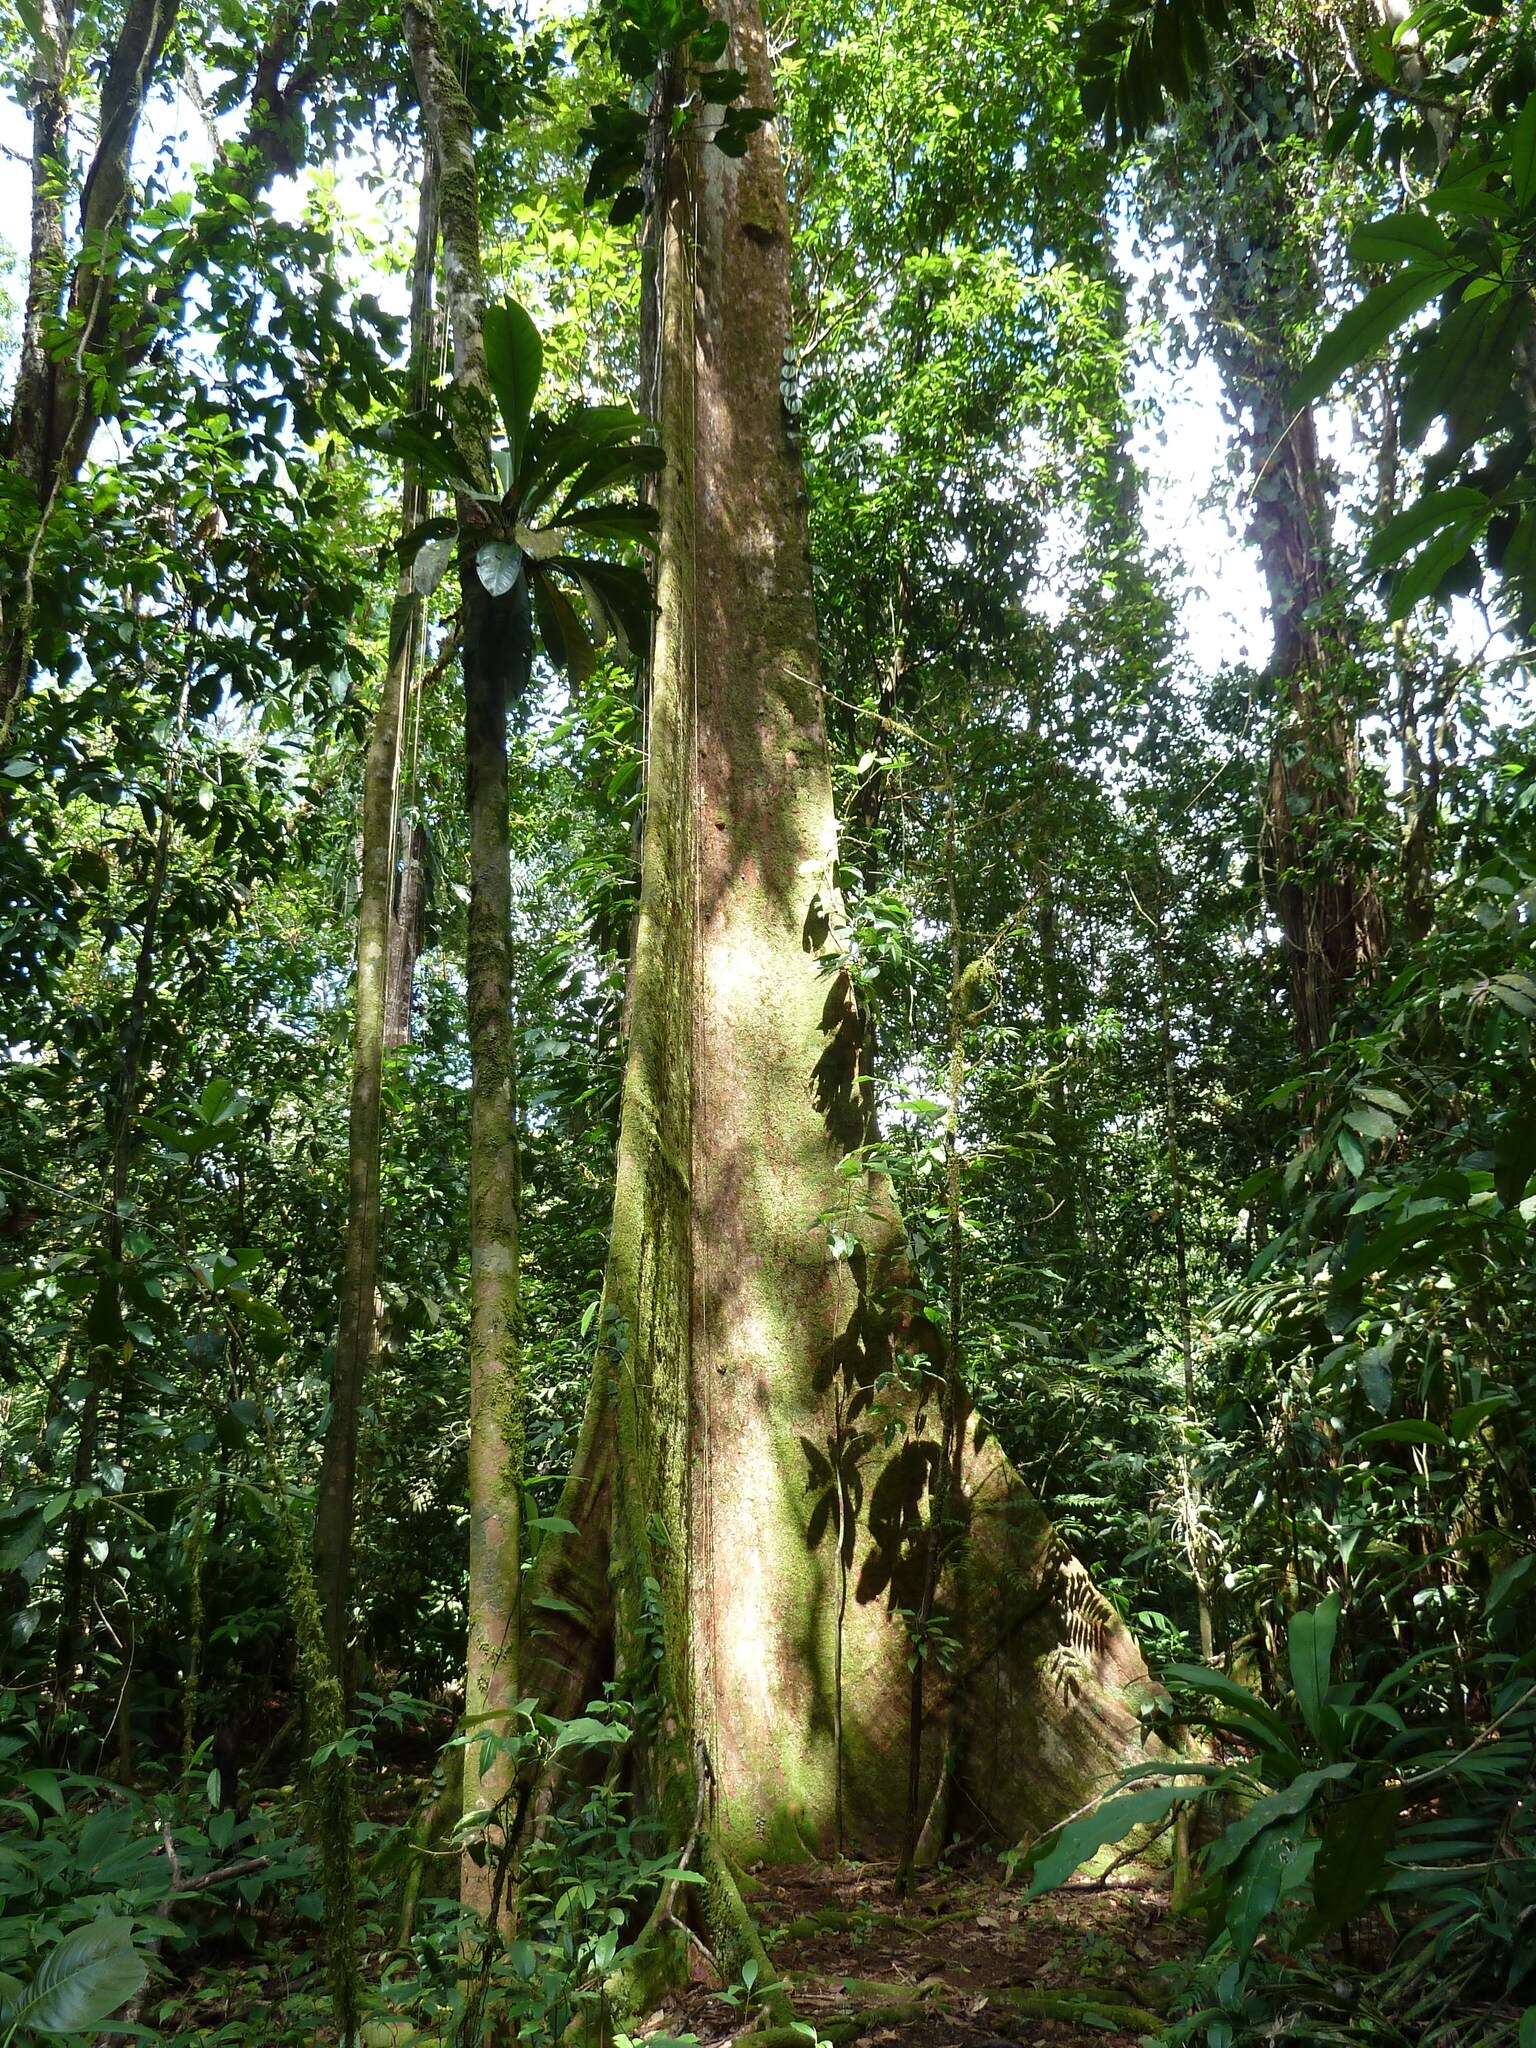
(587, 452)
(81, 1981)
(1358, 1800)
(1038, 775)
(1140, 56)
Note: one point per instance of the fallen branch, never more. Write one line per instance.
(179, 1888)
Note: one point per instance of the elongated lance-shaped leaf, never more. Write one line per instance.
(514, 357)
(566, 640)
(1365, 327)
(613, 465)
(623, 593)
(556, 450)
(1311, 1636)
(1111, 1821)
(614, 522)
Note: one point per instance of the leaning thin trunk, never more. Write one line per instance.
(104, 1335)
(357, 1329)
(497, 653)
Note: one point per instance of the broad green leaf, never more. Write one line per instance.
(1311, 1636)
(1290, 1799)
(1255, 1895)
(622, 593)
(1400, 235)
(1222, 1686)
(1522, 156)
(514, 359)
(45, 1786)
(1460, 369)
(1404, 1432)
(1362, 331)
(423, 441)
(1372, 1124)
(615, 522)
(1110, 1821)
(1466, 1421)
(81, 1982)
(585, 1733)
(1375, 1377)
(1516, 1578)
(609, 466)
(1385, 1098)
(432, 559)
(498, 564)
(1430, 514)
(565, 638)
(1351, 1864)
(1351, 1152)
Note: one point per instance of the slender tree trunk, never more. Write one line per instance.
(1175, 1157)
(31, 421)
(1329, 913)
(734, 1347)
(357, 1328)
(57, 409)
(941, 1533)
(405, 933)
(1064, 1162)
(105, 1333)
(497, 654)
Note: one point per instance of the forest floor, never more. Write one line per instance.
(962, 1960)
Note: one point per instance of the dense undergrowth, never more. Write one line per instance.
(1251, 1304)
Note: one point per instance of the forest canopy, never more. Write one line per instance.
(768, 1125)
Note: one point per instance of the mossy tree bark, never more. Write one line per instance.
(762, 1451)
(497, 645)
(357, 1327)
(1314, 851)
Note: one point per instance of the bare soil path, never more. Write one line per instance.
(960, 1962)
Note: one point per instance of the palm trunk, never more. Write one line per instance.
(497, 655)
(357, 1329)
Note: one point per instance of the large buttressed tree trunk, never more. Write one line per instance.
(763, 1439)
